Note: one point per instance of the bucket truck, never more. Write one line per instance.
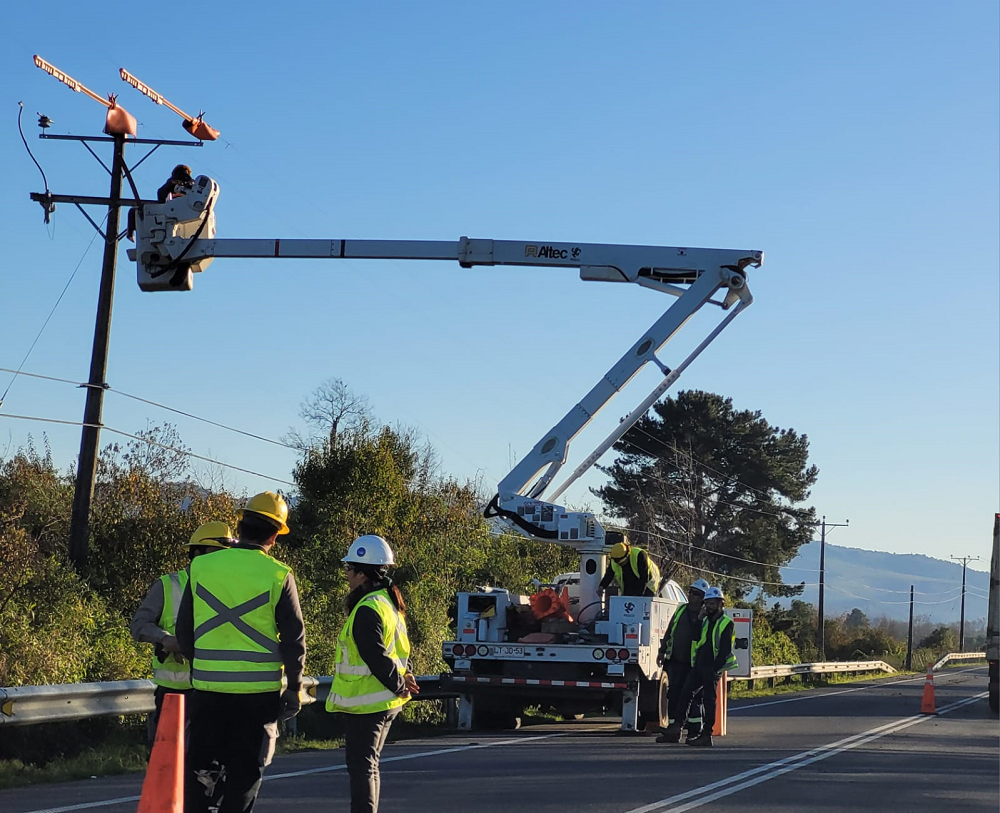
(605, 657)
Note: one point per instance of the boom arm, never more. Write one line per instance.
(175, 239)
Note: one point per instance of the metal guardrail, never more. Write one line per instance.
(958, 656)
(25, 705)
(826, 667)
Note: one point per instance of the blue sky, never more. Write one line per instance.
(856, 144)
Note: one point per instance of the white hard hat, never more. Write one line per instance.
(714, 592)
(370, 550)
(700, 584)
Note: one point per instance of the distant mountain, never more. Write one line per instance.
(879, 583)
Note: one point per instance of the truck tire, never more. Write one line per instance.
(664, 686)
(489, 720)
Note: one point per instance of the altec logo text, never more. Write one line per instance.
(550, 252)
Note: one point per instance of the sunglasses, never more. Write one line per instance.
(348, 567)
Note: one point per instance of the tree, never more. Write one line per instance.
(714, 489)
(329, 410)
(856, 621)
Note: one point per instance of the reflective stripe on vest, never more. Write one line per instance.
(355, 689)
(171, 673)
(718, 629)
(652, 582)
(234, 595)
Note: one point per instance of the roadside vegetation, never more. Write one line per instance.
(698, 483)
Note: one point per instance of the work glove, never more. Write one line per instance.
(289, 704)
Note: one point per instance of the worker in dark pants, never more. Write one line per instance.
(372, 680)
(241, 627)
(675, 656)
(711, 656)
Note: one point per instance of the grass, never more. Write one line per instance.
(106, 760)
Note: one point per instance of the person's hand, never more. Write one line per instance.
(659, 658)
(410, 685)
(170, 644)
(289, 704)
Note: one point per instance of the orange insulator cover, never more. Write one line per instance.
(548, 603)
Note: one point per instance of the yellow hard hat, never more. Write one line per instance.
(269, 505)
(213, 535)
(620, 550)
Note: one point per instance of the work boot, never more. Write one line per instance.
(704, 740)
(692, 734)
(672, 733)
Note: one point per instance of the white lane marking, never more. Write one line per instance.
(680, 797)
(325, 769)
(811, 696)
(401, 757)
(87, 805)
(793, 763)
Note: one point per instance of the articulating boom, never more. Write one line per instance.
(175, 240)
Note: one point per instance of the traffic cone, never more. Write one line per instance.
(721, 707)
(927, 704)
(163, 787)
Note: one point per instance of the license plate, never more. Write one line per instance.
(507, 651)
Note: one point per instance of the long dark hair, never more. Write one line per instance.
(378, 579)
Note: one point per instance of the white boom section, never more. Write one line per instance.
(172, 244)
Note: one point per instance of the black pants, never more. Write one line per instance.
(365, 735)
(677, 675)
(230, 741)
(700, 684)
(153, 718)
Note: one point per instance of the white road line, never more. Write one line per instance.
(811, 696)
(773, 770)
(324, 769)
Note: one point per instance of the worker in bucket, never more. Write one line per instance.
(675, 656)
(371, 680)
(177, 185)
(155, 620)
(632, 570)
(711, 656)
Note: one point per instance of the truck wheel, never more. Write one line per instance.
(664, 686)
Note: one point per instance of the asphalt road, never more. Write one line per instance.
(836, 750)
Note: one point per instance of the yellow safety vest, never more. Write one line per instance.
(172, 672)
(674, 621)
(355, 689)
(653, 583)
(235, 592)
(719, 629)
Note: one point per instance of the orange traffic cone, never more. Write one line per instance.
(163, 787)
(927, 704)
(721, 707)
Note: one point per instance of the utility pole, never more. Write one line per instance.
(909, 636)
(120, 126)
(821, 625)
(96, 384)
(961, 624)
(94, 410)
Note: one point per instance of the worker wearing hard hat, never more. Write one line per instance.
(241, 626)
(675, 656)
(372, 680)
(711, 656)
(632, 571)
(155, 620)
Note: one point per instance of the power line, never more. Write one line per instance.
(49, 317)
(152, 442)
(161, 406)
